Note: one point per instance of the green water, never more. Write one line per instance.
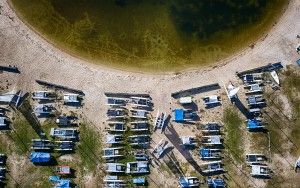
(151, 35)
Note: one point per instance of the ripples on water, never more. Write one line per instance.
(151, 35)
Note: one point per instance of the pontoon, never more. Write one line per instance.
(211, 140)
(188, 141)
(116, 113)
(142, 140)
(208, 153)
(72, 98)
(41, 144)
(254, 158)
(181, 115)
(116, 102)
(114, 182)
(139, 126)
(160, 120)
(114, 139)
(160, 148)
(260, 171)
(43, 95)
(109, 153)
(211, 127)
(252, 78)
(216, 183)
(141, 114)
(140, 102)
(43, 109)
(115, 168)
(254, 124)
(64, 145)
(255, 100)
(254, 88)
(212, 167)
(117, 126)
(187, 182)
(64, 133)
(139, 167)
(211, 100)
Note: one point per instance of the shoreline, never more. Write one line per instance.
(192, 68)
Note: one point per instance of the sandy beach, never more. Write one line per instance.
(38, 59)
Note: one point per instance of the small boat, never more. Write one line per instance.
(216, 183)
(213, 140)
(43, 109)
(255, 100)
(114, 182)
(140, 102)
(116, 113)
(186, 182)
(139, 126)
(117, 127)
(211, 127)
(211, 100)
(116, 102)
(64, 145)
(254, 124)
(139, 140)
(254, 88)
(109, 153)
(114, 139)
(43, 95)
(139, 167)
(254, 158)
(115, 168)
(160, 148)
(140, 114)
(275, 76)
(64, 133)
(212, 167)
(188, 141)
(260, 171)
(182, 115)
(141, 155)
(208, 153)
(41, 144)
(63, 170)
(71, 98)
(253, 78)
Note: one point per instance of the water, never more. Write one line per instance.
(151, 35)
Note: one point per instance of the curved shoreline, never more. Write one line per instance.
(192, 68)
(24, 48)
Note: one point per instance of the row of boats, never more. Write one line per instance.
(122, 134)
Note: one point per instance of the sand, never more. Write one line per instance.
(38, 59)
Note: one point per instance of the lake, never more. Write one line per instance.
(151, 35)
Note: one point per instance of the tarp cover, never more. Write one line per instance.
(253, 124)
(298, 62)
(63, 183)
(40, 157)
(179, 114)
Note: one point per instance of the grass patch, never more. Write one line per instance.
(89, 148)
(233, 140)
(22, 134)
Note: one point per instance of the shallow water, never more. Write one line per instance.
(151, 35)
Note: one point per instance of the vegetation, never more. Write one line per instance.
(233, 141)
(22, 134)
(150, 34)
(89, 148)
